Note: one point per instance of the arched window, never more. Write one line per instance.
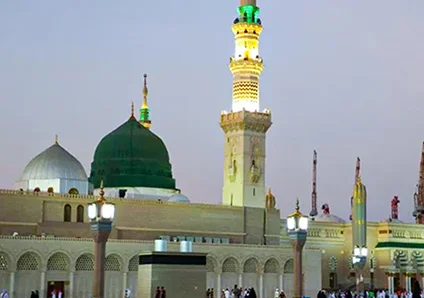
(80, 213)
(37, 189)
(73, 191)
(50, 190)
(67, 213)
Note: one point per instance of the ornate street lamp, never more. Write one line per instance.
(297, 227)
(101, 214)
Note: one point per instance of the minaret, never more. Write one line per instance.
(144, 111)
(314, 211)
(419, 197)
(359, 211)
(245, 126)
(359, 227)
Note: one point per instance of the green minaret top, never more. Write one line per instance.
(249, 13)
(144, 111)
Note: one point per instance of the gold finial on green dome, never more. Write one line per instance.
(145, 93)
(297, 204)
(101, 193)
(132, 111)
(144, 111)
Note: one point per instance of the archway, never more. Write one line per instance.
(271, 277)
(73, 191)
(113, 282)
(84, 267)
(250, 273)
(230, 273)
(27, 274)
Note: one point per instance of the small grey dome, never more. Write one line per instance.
(54, 163)
(392, 220)
(328, 218)
(180, 198)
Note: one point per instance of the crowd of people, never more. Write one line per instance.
(238, 292)
(415, 293)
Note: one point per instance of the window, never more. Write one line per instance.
(67, 213)
(50, 190)
(80, 213)
(73, 191)
(253, 192)
(37, 189)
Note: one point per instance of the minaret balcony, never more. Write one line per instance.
(244, 120)
(254, 66)
(248, 28)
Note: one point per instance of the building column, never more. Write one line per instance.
(408, 282)
(124, 280)
(390, 283)
(43, 284)
(71, 284)
(240, 281)
(217, 291)
(261, 284)
(281, 282)
(12, 285)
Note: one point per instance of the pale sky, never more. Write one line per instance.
(342, 77)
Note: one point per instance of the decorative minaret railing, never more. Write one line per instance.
(245, 126)
(314, 211)
(144, 111)
(246, 65)
(419, 195)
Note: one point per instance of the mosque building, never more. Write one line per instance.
(45, 238)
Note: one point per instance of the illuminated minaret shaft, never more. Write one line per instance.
(314, 210)
(246, 65)
(359, 210)
(245, 126)
(419, 200)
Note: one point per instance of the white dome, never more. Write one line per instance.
(180, 198)
(328, 218)
(54, 163)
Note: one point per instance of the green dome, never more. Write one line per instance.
(131, 156)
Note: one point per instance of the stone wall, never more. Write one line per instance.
(30, 214)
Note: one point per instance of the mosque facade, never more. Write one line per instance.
(45, 238)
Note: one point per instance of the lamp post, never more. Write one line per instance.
(297, 227)
(101, 215)
(359, 260)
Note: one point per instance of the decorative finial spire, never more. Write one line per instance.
(102, 192)
(314, 210)
(144, 111)
(145, 91)
(269, 191)
(358, 170)
(56, 139)
(132, 111)
(297, 204)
